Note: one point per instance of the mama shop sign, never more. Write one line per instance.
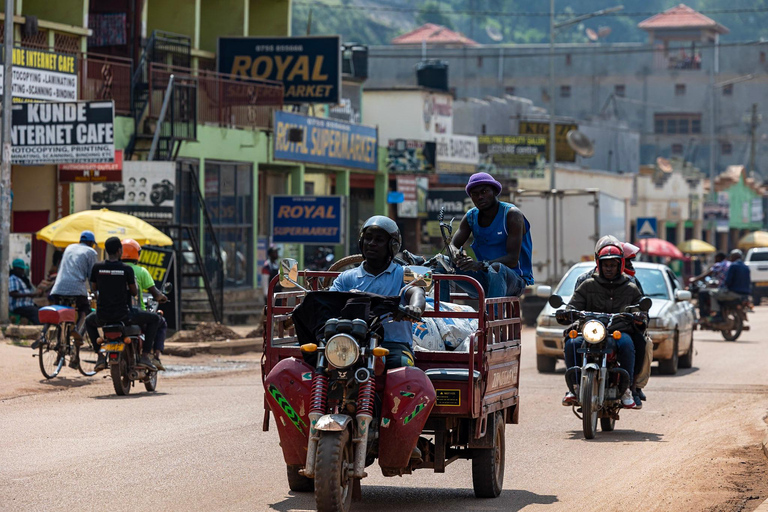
(325, 142)
(308, 219)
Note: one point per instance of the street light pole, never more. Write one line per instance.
(5, 160)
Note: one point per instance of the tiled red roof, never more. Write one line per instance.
(434, 34)
(681, 16)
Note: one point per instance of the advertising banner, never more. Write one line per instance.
(326, 142)
(309, 67)
(305, 220)
(404, 155)
(510, 152)
(105, 172)
(63, 133)
(148, 191)
(456, 153)
(157, 262)
(563, 152)
(409, 207)
(39, 75)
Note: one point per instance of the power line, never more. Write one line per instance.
(535, 14)
(541, 51)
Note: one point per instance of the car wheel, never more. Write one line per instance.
(687, 360)
(545, 364)
(669, 366)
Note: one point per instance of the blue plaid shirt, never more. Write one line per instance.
(15, 284)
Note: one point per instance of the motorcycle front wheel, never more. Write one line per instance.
(733, 318)
(589, 405)
(335, 460)
(120, 378)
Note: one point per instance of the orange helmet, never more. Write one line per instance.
(131, 249)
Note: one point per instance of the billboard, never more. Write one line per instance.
(408, 155)
(308, 219)
(83, 173)
(62, 133)
(456, 153)
(148, 191)
(563, 152)
(512, 151)
(326, 142)
(309, 67)
(40, 75)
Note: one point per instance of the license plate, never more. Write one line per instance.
(113, 347)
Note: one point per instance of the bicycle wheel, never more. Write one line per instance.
(51, 353)
(86, 357)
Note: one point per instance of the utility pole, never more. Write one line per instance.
(753, 123)
(5, 160)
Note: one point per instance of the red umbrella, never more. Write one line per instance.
(659, 247)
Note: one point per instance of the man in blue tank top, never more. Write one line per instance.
(502, 242)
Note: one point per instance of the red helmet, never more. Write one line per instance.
(131, 249)
(630, 252)
(611, 252)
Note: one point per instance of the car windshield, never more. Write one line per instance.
(759, 256)
(652, 281)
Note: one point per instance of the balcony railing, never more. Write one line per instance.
(221, 100)
(102, 77)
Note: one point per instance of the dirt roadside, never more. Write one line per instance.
(22, 377)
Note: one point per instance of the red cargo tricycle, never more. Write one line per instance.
(338, 410)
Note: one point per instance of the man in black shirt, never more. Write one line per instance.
(116, 284)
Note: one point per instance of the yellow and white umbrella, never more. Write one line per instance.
(105, 224)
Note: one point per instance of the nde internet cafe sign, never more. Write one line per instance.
(309, 67)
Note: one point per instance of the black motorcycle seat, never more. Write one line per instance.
(127, 330)
(451, 374)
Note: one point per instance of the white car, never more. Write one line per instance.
(671, 325)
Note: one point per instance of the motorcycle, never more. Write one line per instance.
(122, 346)
(599, 383)
(357, 414)
(734, 312)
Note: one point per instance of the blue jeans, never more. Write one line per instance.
(499, 281)
(625, 354)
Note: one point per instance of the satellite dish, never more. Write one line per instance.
(603, 31)
(592, 35)
(493, 33)
(580, 143)
(664, 165)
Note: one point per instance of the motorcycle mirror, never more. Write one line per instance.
(555, 301)
(167, 287)
(289, 273)
(417, 275)
(543, 291)
(645, 304)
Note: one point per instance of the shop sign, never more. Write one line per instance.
(757, 210)
(148, 191)
(40, 75)
(716, 210)
(455, 201)
(63, 133)
(456, 153)
(509, 152)
(563, 151)
(157, 262)
(409, 208)
(309, 67)
(325, 142)
(307, 219)
(404, 155)
(438, 114)
(105, 172)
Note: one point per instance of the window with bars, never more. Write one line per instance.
(620, 90)
(565, 91)
(679, 89)
(726, 148)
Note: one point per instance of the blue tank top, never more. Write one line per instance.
(491, 243)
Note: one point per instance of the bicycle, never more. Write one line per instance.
(58, 342)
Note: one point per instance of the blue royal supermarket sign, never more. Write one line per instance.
(308, 219)
(325, 142)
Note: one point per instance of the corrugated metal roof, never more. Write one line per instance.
(434, 34)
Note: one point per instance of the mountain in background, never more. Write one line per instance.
(367, 22)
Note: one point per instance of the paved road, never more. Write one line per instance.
(197, 444)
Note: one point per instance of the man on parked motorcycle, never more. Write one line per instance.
(737, 285)
(115, 283)
(379, 242)
(145, 283)
(609, 290)
(502, 242)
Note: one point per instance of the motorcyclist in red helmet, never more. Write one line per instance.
(608, 290)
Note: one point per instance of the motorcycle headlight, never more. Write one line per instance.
(593, 331)
(342, 350)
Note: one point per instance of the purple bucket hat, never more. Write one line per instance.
(483, 178)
